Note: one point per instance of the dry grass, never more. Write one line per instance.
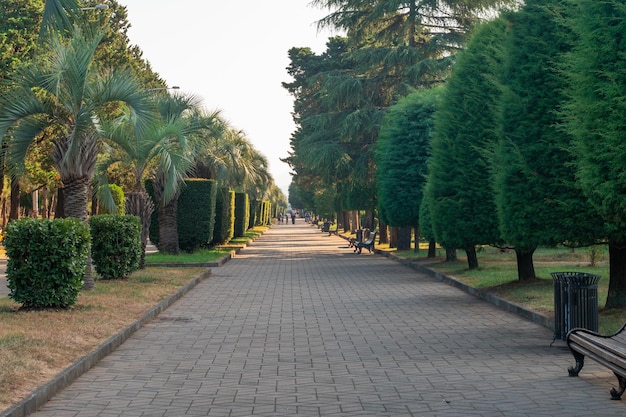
(36, 345)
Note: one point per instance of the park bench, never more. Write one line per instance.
(368, 244)
(358, 238)
(609, 351)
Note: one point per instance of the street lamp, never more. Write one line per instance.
(96, 7)
(164, 88)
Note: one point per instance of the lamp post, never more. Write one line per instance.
(96, 7)
(164, 88)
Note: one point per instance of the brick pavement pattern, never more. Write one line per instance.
(299, 325)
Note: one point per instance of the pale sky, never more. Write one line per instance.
(233, 55)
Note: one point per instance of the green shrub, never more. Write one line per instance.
(196, 214)
(47, 261)
(118, 198)
(224, 216)
(242, 214)
(254, 213)
(115, 245)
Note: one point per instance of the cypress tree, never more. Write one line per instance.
(402, 152)
(537, 198)
(595, 115)
(463, 207)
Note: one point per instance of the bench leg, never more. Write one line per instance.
(580, 362)
(615, 394)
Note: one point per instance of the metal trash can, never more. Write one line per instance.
(326, 227)
(575, 302)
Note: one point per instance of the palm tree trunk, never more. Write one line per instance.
(139, 203)
(14, 211)
(76, 196)
(168, 228)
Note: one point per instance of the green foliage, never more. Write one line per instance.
(242, 214)
(263, 213)
(358, 196)
(196, 214)
(325, 203)
(426, 223)
(595, 114)
(459, 178)
(47, 261)
(224, 216)
(538, 200)
(402, 152)
(116, 245)
(19, 24)
(118, 199)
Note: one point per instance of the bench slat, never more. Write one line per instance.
(612, 345)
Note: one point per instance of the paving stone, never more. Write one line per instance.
(299, 325)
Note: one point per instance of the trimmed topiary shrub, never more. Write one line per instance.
(254, 213)
(224, 216)
(196, 213)
(47, 261)
(116, 245)
(242, 214)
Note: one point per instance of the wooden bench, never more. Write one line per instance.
(609, 351)
(368, 244)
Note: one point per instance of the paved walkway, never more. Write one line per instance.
(298, 325)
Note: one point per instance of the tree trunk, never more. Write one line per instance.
(44, 200)
(393, 236)
(416, 238)
(432, 248)
(404, 238)
(472, 258)
(525, 266)
(139, 203)
(368, 222)
(451, 255)
(76, 197)
(168, 228)
(346, 221)
(384, 234)
(59, 211)
(356, 221)
(14, 211)
(617, 275)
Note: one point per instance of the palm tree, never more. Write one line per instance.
(66, 92)
(194, 128)
(162, 143)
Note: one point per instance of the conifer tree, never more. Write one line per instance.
(595, 115)
(463, 208)
(538, 200)
(402, 152)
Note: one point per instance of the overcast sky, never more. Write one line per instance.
(233, 55)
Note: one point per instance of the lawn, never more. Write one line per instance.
(198, 257)
(497, 274)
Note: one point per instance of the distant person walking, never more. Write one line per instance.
(307, 217)
(293, 217)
